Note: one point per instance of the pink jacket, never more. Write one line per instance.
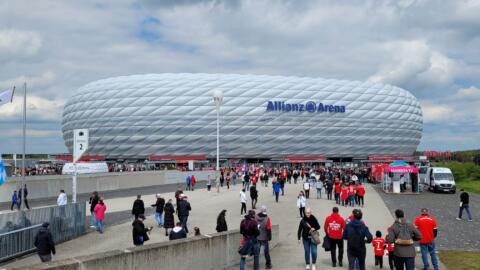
(100, 211)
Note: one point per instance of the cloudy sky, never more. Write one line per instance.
(431, 48)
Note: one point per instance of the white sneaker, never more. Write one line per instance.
(314, 267)
(470, 220)
(308, 267)
(459, 218)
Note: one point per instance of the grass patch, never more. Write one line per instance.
(469, 185)
(460, 260)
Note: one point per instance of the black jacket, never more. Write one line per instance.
(221, 223)
(183, 208)
(138, 207)
(44, 242)
(93, 202)
(159, 204)
(465, 198)
(169, 220)
(177, 233)
(304, 228)
(253, 192)
(139, 230)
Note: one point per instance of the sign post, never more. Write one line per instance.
(80, 145)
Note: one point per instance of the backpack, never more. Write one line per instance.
(356, 243)
(404, 237)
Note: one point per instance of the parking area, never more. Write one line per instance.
(452, 234)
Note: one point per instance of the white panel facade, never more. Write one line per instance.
(174, 114)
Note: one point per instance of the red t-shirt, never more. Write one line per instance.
(390, 247)
(378, 246)
(361, 191)
(426, 224)
(351, 190)
(338, 188)
(334, 226)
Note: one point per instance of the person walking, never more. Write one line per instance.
(139, 232)
(177, 195)
(334, 226)
(62, 198)
(44, 243)
(351, 195)
(234, 178)
(159, 205)
(227, 179)
(265, 228)
(391, 254)
(357, 234)
(178, 232)
(360, 194)
(209, 183)
(403, 234)
(193, 181)
(99, 211)
(307, 225)
(169, 220)
(344, 195)
(464, 204)
(15, 201)
(243, 202)
(183, 210)
(93, 201)
(138, 207)
(378, 249)
(23, 192)
(187, 182)
(301, 203)
(427, 226)
(254, 195)
(329, 189)
(249, 230)
(276, 189)
(222, 222)
(338, 190)
(306, 188)
(318, 187)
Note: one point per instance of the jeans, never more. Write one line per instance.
(276, 196)
(319, 193)
(379, 261)
(256, 261)
(243, 209)
(351, 198)
(426, 249)
(337, 198)
(302, 211)
(159, 218)
(402, 263)
(360, 200)
(391, 260)
(93, 222)
(329, 194)
(100, 226)
(467, 208)
(254, 203)
(334, 243)
(307, 193)
(310, 249)
(351, 261)
(266, 251)
(183, 220)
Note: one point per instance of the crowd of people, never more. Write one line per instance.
(341, 234)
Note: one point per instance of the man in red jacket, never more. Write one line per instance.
(360, 193)
(427, 226)
(334, 226)
(337, 189)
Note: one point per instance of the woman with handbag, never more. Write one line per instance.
(308, 232)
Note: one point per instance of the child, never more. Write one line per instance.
(378, 248)
(343, 196)
(391, 255)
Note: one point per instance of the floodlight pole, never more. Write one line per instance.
(218, 98)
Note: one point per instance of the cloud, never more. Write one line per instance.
(427, 47)
(471, 92)
(31, 133)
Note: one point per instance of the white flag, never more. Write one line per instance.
(6, 96)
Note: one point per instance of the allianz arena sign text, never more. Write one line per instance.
(309, 106)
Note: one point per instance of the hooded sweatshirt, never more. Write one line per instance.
(177, 233)
(404, 251)
(360, 227)
(44, 242)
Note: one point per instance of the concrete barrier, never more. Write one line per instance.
(48, 186)
(217, 251)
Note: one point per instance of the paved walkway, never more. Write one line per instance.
(205, 208)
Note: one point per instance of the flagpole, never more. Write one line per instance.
(24, 142)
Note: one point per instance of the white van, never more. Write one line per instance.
(440, 179)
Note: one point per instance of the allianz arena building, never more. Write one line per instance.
(261, 117)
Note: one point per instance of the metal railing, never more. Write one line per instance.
(17, 237)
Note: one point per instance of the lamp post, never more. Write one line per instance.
(218, 98)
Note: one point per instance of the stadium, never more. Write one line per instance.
(261, 117)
